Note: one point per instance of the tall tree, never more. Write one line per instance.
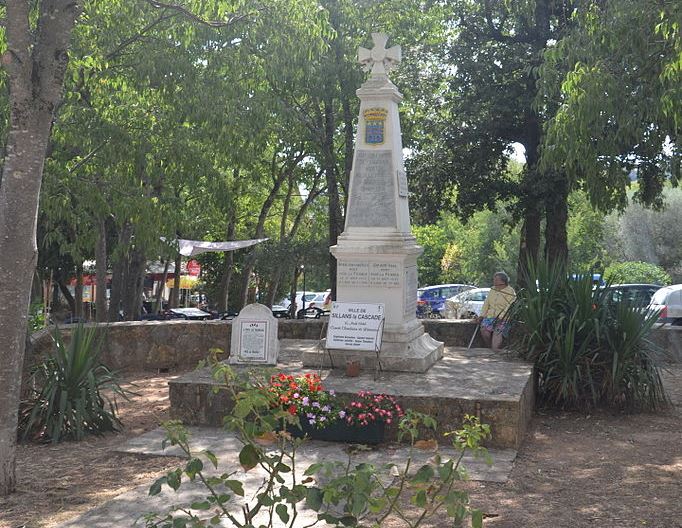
(483, 99)
(35, 61)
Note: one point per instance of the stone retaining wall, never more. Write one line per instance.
(153, 345)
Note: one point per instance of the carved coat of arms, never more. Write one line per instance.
(375, 118)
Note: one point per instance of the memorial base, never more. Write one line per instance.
(418, 354)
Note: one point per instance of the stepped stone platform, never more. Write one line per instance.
(478, 381)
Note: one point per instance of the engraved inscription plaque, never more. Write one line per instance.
(253, 341)
(352, 273)
(402, 183)
(372, 191)
(384, 274)
(411, 290)
(362, 273)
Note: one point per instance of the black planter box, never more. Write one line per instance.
(372, 433)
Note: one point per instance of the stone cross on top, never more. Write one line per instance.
(379, 59)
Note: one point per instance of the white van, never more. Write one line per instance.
(668, 301)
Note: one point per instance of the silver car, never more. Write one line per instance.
(466, 305)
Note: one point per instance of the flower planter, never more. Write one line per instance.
(372, 433)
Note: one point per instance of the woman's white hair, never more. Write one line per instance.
(502, 275)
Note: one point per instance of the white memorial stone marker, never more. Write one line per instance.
(377, 253)
(254, 337)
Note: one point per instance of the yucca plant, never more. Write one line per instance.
(73, 394)
(586, 352)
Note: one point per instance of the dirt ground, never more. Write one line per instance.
(573, 471)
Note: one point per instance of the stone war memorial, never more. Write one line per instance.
(373, 321)
(377, 254)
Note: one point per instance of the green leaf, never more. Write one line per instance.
(476, 519)
(203, 505)
(212, 458)
(419, 499)
(423, 475)
(155, 488)
(236, 487)
(265, 499)
(312, 469)
(249, 457)
(314, 498)
(193, 467)
(282, 468)
(174, 479)
(282, 512)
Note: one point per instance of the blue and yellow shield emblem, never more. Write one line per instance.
(375, 118)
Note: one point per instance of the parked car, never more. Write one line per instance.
(280, 311)
(322, 300)
(668, 303)
(638, 295)
(466, 305)
(194, 314)
(309, 296)
(431, 299)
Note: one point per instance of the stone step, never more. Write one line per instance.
(478, 382)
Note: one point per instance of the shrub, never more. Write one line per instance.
(66, 401)
(586, 352)
(636, 273)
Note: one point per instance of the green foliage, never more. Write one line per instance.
(636, 272)
(36, 317)
(341, 493)
(69, 391)
(586, 232)
(642, 234)
(471, 252)
(617, 74)
(434, 241)
(586, 352)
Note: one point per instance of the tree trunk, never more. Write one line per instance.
(250, 261)
(556, 215)
(70, 299)
(293, 308)
(330, 171)
(134, 284)
(118, 271)
(101, 273)
(35, 67)
(530, 244)
(175, 292)
(228, 264)
(78, 292)
(158, 301)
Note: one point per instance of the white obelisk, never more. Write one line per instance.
(377, 253)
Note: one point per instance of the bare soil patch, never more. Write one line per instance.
(573, 471)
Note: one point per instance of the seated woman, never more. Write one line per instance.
(493, 326)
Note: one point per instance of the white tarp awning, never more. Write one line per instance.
(189, 248)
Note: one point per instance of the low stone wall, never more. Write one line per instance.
(153, 345)
(180, 344)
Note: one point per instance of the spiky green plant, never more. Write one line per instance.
(73, 394)
(586, 351)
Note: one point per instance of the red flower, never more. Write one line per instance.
(292, 410)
